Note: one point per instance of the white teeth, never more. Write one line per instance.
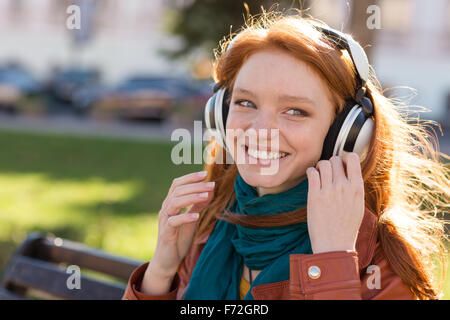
(265, 155)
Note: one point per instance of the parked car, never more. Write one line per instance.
(142, 97)
(84, 98)
(16, 83)
(181, 87)
(202, 90)
(189, 95)
(64, 84)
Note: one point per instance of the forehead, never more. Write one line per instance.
(274, 70)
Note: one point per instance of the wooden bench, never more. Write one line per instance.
(39, 270)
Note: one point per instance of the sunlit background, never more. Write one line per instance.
(86, 114)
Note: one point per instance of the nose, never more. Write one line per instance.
(264, 119)
(264, 126)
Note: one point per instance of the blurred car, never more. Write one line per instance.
(16, 83)
(84, 98)
(64, 84)
(187, 90)
(202, 90)
(146, 97)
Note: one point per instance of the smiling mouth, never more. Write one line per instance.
(265, 155)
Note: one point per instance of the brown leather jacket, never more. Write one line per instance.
(364, 274)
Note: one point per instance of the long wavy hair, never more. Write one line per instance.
(406, 183)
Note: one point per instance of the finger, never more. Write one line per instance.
(177, 203)
(338, 170)
(353, 166)
(181, 219)
(188, 178)
(326, 177)
(313, 180)
(199, 206)
(193, 188)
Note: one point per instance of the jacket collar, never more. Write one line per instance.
(365, 242)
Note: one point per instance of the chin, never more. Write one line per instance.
(256, 179)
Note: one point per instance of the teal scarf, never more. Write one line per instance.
(217, 273)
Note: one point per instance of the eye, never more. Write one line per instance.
(244, 103)
(297, 112)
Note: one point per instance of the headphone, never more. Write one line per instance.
(352, 128)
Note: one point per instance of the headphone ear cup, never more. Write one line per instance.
(362, 142)
(216, 113)
(218, 116)
(225, 109)
(350, 132)
(333, 133)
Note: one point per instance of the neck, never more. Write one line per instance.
(278, 189)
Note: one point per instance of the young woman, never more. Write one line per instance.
(334, 228)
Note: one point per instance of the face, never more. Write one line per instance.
(279, 105)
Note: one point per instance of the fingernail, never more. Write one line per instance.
(211, 184)
(194, 215)
(203, 194)
(203, 173)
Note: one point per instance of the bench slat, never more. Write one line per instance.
(45, 276)
(87, 257)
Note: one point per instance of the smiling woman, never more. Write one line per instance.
(337, 220)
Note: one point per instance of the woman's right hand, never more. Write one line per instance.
(175, 233)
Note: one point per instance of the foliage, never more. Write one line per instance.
(203, 23)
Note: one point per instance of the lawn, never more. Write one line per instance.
(101, 192)
(104, 193)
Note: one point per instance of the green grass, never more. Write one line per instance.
(104, 193)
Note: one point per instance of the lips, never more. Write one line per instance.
(264, 157)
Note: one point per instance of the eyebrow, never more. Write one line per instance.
(282, 97)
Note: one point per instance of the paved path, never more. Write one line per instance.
(67, 124)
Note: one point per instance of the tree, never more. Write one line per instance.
(203, 23)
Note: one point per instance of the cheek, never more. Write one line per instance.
(238, 120)
(308, 141)
(235, 127)
(233, 122)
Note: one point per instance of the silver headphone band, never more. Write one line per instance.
(346, 42)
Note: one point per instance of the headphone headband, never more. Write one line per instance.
(356, 52)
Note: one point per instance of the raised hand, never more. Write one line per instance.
(335, 203)
(176, 229)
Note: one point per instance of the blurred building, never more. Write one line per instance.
(124, 38)
(412, 47)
